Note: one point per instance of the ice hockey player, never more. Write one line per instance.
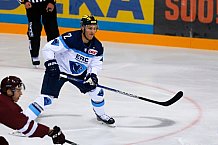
(12, 116)
(80, 54)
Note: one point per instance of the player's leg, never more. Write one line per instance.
(34, 33)
(97, 101)
(49, 20)
(38, 106)
(50, 89)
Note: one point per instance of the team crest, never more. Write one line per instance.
(92, 51)
(55, 42)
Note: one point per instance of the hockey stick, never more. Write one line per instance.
(169, 102)
(70, 142)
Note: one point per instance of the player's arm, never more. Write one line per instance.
(53, 47)
(96, 64)
(94, 67)
(50, 49)
(18, 121)
(97, 61)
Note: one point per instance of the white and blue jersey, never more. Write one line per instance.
(73, 56)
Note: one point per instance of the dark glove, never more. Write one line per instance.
(52, 68)
(57, 136)
(92, 79)
(91, 82)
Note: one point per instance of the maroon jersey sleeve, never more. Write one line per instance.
(16, 120)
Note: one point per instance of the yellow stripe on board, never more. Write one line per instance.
(122, 37)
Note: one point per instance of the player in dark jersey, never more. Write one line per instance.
(11, 113)
(80, 54)
(40, 12)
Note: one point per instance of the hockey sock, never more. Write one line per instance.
(97, 100)
(99, 110)
(39, 105)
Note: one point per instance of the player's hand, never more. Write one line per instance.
(52, 68)
(90, 83)
(92, 79)
(50, 7)
(28, 5)
(57, 136)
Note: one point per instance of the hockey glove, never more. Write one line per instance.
(91, 82)
(52, 68)
(57, 136)
(92, 79)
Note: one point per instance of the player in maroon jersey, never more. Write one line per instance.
(12, 116)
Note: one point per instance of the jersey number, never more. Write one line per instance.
(67, 36)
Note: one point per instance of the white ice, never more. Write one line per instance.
(154, 72)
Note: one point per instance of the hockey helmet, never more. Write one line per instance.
(11, 82)
(88, 20)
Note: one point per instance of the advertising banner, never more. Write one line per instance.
(189, 18)
(114, 15)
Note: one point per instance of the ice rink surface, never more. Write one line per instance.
(154, 72)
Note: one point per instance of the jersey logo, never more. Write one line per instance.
(82, 59)
(77, 68)
(55, 42)
(47, 101)
(92, 51)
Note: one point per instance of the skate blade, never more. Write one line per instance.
(35, 66)
(112, 125)
(109, 125)
(17, 133)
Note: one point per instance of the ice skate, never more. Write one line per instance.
(35, 62)
(105, 119)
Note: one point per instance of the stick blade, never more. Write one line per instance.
(174, 99)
